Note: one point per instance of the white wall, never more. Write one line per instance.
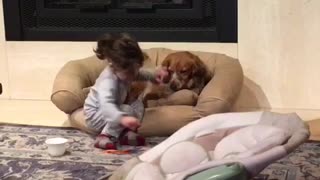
(3, 58)
(279, 50)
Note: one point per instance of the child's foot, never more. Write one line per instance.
(104, 141)
(131, 138)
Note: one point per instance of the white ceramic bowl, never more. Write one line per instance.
(56, 146)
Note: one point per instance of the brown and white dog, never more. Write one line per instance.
(186, 71)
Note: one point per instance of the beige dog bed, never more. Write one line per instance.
(72, 84)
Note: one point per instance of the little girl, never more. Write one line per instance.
(104, 107)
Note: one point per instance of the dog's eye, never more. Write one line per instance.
(170, 71)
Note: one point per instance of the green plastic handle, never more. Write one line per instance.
(234, 171)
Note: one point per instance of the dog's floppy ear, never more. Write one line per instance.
(166, 62)
(199, 68)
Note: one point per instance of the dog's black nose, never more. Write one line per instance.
(173, 86)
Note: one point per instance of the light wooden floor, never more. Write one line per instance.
(315, 129)
(42, 113)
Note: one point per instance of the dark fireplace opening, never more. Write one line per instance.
(147, 20)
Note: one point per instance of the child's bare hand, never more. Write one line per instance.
(130, 122)
(162, 76)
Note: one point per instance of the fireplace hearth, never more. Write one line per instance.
(147, 20)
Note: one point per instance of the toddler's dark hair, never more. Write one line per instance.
(120, 49)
